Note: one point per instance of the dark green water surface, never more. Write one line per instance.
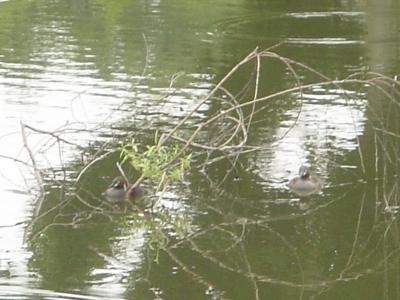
(96, 72)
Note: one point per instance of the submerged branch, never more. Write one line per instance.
(226, 135)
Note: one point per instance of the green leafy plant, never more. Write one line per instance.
(162, 164)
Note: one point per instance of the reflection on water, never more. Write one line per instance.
(85, 72)
(324, 14)
(327, 125)
(323, 41)
(12, 292)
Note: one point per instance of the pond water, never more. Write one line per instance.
(77, 78)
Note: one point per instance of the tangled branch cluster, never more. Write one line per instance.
(224, 135)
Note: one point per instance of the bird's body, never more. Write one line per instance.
(305, 184)
(120, 190)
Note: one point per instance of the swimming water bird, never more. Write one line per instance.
(305, 184)
(120, 190)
